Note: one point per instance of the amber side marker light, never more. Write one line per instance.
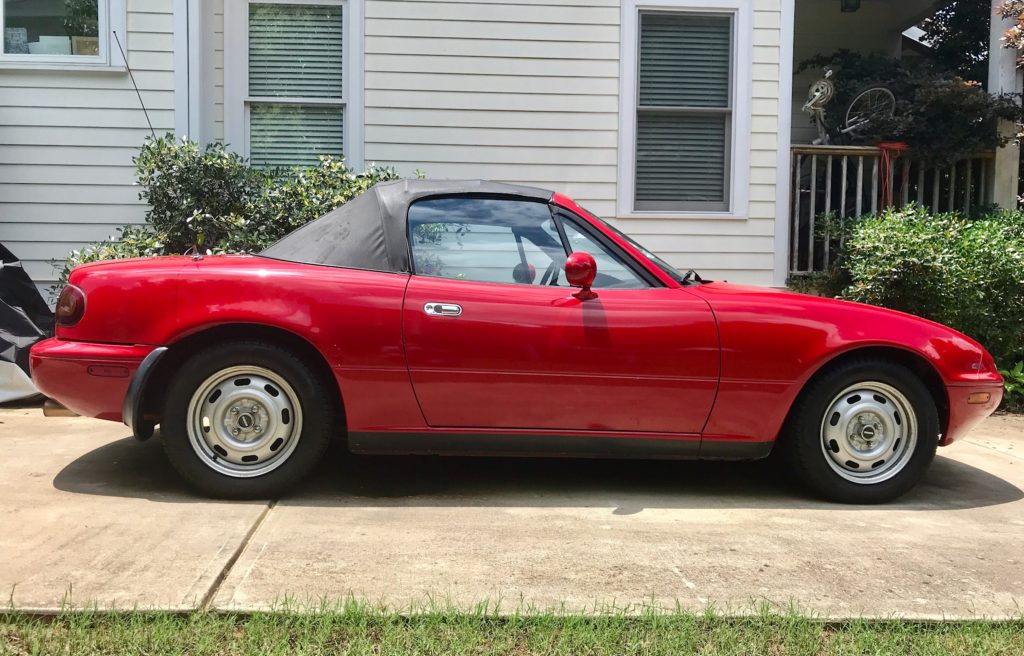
(108, 371)
(979, 397)
(70, 306)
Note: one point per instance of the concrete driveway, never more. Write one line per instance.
(88, 515)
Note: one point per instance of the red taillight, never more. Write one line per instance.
(70, 306)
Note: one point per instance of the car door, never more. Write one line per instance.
(495, 339)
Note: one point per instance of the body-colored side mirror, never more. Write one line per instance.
(580, 270)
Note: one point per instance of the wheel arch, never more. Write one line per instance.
(179, 350)
(916, 363)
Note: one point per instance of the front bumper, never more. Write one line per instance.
(88, 378)
(964, 415)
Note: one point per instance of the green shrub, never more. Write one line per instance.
(963, 273)
(134, 241)
(194, 194)
(967, 274)
(210, 200)
(294, 198)
(1014, 386)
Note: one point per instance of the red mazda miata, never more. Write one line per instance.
(482, 318)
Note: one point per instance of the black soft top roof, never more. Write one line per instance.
(369, 231)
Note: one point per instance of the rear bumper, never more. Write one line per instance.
(88, 378)
(963, 415)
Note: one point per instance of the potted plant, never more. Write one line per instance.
(81, 22)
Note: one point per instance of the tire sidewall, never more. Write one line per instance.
(811, 463)
(316, 432)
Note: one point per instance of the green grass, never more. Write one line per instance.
(359, 629)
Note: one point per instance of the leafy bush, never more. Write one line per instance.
(940, 115)
(968, 274)
(194, 193)
(292, 199)
(1014, 377)
(134, 241)
(210, 200)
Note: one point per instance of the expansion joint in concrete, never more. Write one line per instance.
(211, 594)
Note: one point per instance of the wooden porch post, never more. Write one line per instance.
(1003, 77)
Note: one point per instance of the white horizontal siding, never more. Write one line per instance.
(482, 12)
(67, 140)
(214, 85)
(527, 92)
(523, 92)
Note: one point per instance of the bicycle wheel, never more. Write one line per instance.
(870, 105)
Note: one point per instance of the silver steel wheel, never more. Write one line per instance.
(869, 433)
(244, 421)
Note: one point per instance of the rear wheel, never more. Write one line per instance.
(866, 432)
(246, 420)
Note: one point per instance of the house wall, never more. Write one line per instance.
(525, 93)
(67, 140)
(529, 93)
(214, 86)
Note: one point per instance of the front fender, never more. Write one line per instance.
(774, 342)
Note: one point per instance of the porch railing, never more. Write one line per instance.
(833, 183)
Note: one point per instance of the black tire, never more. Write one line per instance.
(315, 397)
(802, 441)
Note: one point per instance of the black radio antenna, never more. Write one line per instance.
(132, 76)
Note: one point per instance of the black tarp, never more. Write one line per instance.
(25, 318)
(369, 232)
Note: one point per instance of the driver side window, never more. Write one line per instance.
(504, 241)
(485, 240)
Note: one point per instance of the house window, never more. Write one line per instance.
(291, 82)
(683, 112)
(296, 103)
(685, 108)
(60, 33)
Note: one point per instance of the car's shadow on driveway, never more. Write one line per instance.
(126, 468)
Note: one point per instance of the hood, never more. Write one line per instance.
(786, 299)
(835, 326)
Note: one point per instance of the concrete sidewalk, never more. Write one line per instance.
(88, 515)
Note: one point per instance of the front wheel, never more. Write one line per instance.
(866, 432)
(246, 420)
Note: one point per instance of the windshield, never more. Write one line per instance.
(670, 270)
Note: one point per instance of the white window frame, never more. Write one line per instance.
(741, 87)
(111, 17)
(236, 76)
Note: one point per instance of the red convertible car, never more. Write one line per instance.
(482, 318)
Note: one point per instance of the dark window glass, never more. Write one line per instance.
(684, 112)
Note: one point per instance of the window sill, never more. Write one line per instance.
(97, 67)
